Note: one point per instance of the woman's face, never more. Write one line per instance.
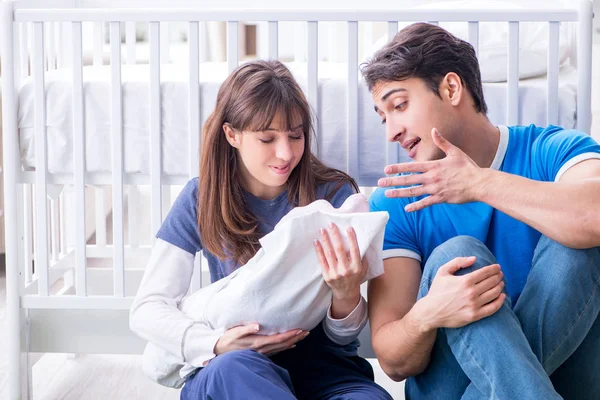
(267, 158)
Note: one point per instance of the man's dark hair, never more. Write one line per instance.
(427, 52)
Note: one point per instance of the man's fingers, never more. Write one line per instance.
(489, 282)
(482, 274)
(441, 141)
(456, 264)
(409, 167)
(491, 294)
(491, 308)
(411, 191)
(423, 203)
(402, 180)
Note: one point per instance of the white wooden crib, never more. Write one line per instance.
(76, 299)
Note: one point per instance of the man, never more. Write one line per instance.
(492, 266)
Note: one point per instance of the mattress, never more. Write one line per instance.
(331, 128)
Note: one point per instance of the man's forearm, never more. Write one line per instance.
(565, 212)
(403, 347)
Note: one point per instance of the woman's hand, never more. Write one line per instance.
(247, 337)
(342, 270)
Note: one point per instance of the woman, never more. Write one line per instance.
(256, 166)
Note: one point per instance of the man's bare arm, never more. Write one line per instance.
(404, 330)
(401, 348)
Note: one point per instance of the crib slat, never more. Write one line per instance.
(313, 80)
(117, 158)
(41, 161)
(367, 35)
(79, 160)
(513, 73)
(24, 271)
(300, 41)
(50, 260)
(98, 43)
(203, 42)
(273, 40)
(63, 224)
(553, 63)
(392, 29)
(474, 35)
(165, 49)
(27, 231)
(54, 230)
(155, 134)
(130, 42)
(100, 215)
(133, 205)
(584, 66)
(51, 47)
(61, 53)
(232, 45)
(17, 49)
(166, 199)
(194, 98)
(352, 155)
(23, 50)
(392, 149)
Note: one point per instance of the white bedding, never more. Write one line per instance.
(174, 114)
(281, 287)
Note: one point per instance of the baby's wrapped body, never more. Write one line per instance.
(281, 287)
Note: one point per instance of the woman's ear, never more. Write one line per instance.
(231, 135)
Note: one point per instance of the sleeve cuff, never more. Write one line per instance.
(198, 344)
(344, 331)
(392, 253)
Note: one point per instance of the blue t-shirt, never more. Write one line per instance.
(541, 154)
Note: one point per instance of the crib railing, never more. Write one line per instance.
(35, 225)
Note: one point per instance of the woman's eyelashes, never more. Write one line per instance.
(295, 137)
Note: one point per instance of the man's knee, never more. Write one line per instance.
(458, 246)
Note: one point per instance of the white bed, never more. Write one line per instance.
(140, 131)
(174, 88)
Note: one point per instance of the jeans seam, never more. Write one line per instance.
(464, 345)
(576, 322)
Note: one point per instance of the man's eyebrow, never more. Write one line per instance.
(388, 94)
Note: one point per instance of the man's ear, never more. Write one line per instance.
(452, 88)
(231, 135)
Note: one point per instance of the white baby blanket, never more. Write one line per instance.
(281, 287)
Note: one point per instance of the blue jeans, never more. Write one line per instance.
(546, 347)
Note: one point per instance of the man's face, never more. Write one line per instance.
(409, 111)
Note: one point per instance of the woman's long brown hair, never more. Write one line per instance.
(248, 100)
